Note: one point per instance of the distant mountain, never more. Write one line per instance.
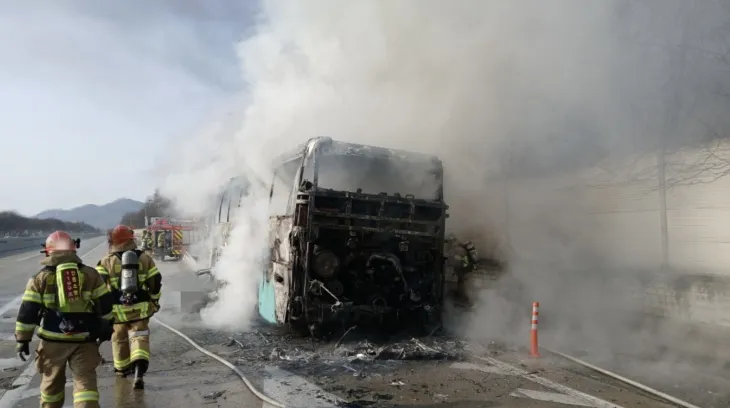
(100, 216)
(14, 224)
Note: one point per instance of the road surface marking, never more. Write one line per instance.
(594, 401)
(296, 392)
(549, 397)
(13, 304)
(25, 258)
(483, 368)
(11, 397)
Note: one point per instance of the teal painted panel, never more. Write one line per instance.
(267, 301)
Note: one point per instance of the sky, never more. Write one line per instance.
(94, 92)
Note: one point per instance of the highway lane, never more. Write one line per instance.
(13, 245)
(10, 262)
(16, 245)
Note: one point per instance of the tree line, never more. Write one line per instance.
(155, 205)
(13, 224)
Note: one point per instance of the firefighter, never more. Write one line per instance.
(161, 244)
(168, 239)
(147, 239)
(463, 259)
(144, 241)
(161, 239)
(135, 306)
(73, 307)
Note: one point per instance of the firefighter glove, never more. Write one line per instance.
(105, 331)
(23, 348)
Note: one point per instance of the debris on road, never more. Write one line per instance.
(232, 341)
(214, 395)
(411, 350)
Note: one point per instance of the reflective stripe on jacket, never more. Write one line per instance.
(149, 280)
(45, 306)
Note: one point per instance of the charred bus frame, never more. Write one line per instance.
(412, 241)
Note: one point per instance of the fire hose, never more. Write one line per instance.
(259, 394)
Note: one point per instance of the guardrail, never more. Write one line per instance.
(12, 245)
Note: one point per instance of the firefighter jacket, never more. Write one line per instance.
(457, 257)
(67, 299)
(149, 283)
(161, 240)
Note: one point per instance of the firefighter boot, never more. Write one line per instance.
(461, 296)
(140, 367)
(123, 373)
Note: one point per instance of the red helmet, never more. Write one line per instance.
(121, 234)
(59, 241)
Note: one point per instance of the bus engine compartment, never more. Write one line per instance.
(373, 260)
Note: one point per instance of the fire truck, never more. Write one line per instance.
(177, 236)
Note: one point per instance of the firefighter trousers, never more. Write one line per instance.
(461, 284)
(82, 358)
(130, 343)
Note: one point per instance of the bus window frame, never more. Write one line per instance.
(324, 149)
(295, 181)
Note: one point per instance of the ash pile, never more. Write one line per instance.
(366, 351)
(413, 349)
(364, 358)
(358, 356)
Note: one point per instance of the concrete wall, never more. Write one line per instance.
(609, 216)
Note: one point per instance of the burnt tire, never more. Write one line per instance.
(299, 328)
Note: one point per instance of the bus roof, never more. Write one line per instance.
(344, 148)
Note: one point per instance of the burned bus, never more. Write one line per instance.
(229, 200)
(356, 235)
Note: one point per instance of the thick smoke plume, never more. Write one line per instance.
(491, 87)
(235, 306)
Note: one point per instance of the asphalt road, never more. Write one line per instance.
(693, 377)
(311, 376)
(180, 376)
(301, 373)
(183, 377)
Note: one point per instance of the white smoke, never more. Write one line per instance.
(457, 79)
(419, 75)
(240, 267)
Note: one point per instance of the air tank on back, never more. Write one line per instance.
(128, 281)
